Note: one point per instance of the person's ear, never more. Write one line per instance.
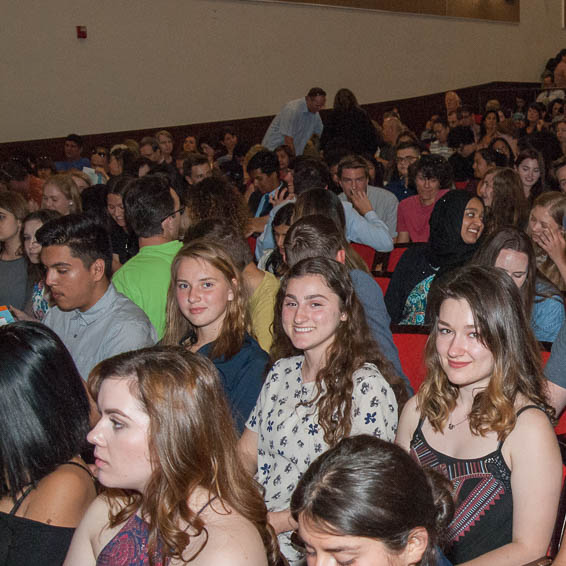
(98, 269)
(341, 256)
(416, 546)
(343, 316)
(234, 285)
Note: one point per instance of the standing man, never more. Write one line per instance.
(353, 176)
(92, 319)
(73, 148)
(154, 212)
(297, 121)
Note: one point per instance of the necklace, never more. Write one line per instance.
(453, 426)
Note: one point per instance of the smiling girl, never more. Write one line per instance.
(481, 418)
(207, 313)
(329, 381)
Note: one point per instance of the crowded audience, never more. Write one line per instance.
(223, 312)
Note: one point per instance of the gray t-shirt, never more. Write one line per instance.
(14, 288)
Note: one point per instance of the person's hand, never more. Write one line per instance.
(361, 202)
(282, 521)
(101, 171)
(553, 243)
(256, 225)
(281, 196)
(20, 315)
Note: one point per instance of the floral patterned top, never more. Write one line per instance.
(415, 306)
(39, 297)
(290, 437)
(129, 546)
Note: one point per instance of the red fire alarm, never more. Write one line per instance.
(81, 32)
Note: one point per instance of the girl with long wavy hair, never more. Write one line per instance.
(329, 381)
(164, 448)
(481, 418)
(207, 313)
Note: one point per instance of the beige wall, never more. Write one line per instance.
(169, 62)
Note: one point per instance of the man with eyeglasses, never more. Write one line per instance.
(406, 154)
(154, 213)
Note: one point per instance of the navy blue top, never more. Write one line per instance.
(242, 377)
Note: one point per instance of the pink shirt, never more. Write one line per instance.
(413, 217)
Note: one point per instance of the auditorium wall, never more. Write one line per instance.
(151, 64)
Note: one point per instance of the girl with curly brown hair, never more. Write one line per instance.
(329, 381)
(482, 419)
(177, 492)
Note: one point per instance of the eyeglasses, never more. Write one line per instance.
(408, 159)
(180, 211)
(101, 153)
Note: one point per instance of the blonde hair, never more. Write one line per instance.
(236, 322)
(64, 182)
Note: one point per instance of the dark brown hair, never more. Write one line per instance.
(351, 349)
(367, 487)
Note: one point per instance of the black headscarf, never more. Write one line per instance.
(446, 249)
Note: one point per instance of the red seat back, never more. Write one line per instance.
(251, 243)
(366, 253)
(383, 282)
(395, 256)
(411, 353)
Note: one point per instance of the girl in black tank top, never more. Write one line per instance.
(481, 419)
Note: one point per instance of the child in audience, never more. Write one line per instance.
(547, 230)
(14, 287)
(45, 486)
(207, 313)
(330, 381)
(165, 439)
(365, 501)
(511, 249)
(481, 418)
(60, 193)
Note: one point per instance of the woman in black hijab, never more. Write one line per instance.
(456, 224)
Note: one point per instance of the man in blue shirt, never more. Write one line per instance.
(367, 229)
(297, 121)
(92, 319)
(73, 148)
